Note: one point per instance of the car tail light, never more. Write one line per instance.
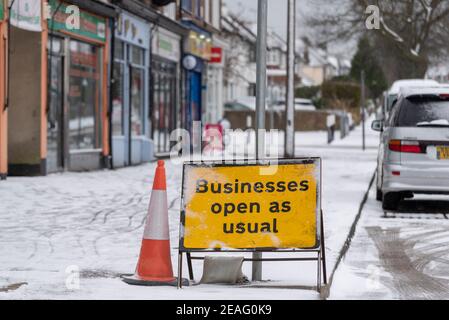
(405, 146)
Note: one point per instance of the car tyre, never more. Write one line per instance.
(378, 194)
(390, 201)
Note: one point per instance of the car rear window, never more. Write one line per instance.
(423, 111)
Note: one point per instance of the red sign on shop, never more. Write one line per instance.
(216, 55)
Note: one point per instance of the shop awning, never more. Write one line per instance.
(152, 16)
(98, 8)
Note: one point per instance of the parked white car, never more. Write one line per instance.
(301, 104)
(395, 89)
(245, 103)
(414, 148)
(304, 104)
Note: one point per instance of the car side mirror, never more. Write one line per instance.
(377, 125)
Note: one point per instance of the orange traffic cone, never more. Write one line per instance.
(154, 266)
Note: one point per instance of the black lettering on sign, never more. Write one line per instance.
(276, 207)
(204, 186)
(230, 208)
(286, 206)
(251, 227)
(304, 185)
(201, 186)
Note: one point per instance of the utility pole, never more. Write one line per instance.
(363, 101)
(261, 88)
(290, 97)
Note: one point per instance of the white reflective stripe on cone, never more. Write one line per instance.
(156, 227)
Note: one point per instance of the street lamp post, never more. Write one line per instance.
(290, 97)
(261, 87)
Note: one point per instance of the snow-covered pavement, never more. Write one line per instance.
(93, 222)
(399, 255)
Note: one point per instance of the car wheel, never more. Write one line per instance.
(378, 190)
(390, 201)
(378, 194)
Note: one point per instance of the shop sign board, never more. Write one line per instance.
(216, 55)
(199, 45)
(133, 30)
(25, 14)
(166, 45)
(2, 10)
(85, 24)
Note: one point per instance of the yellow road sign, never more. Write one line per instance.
(238, 207)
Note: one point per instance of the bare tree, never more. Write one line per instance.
(411, 33)
(241, 47)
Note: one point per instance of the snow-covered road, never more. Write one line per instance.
(93, 222)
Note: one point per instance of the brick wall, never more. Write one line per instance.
(304, 120)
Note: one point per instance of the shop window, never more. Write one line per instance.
(192, 6)
(119, 50)
(55, 45)
(198, 8)
(56, 101)
(137, 84)
(187, 5)
(118, 96)
(137, 55)
(252, 90)
(118, 89)
(84, 96)
(164, 112)
(137, 58)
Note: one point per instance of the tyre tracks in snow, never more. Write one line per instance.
(407, 248)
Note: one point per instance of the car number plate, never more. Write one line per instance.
(443, 153)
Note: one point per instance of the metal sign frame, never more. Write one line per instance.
(318, 249)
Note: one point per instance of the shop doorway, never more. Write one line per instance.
(74, 123)
(195, 95)
(163, 115)
(136, 102)
(55, 115)
(129, 99)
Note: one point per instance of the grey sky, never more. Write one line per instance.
(277, 12)
(277, 19)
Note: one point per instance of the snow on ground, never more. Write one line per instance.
(400, 255)
(93, 222)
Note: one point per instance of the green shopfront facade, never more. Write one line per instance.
(57, 115)
(78, 73)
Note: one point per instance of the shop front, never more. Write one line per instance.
(165, 84)
(57, 93)
(131, 143)
(197, 51)
(77, 110)
(3, 106)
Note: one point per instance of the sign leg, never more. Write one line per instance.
(180, 270)
(257, 267)
(318, 286)
(323, 250)
(189, 265)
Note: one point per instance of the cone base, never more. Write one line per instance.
(154, 262)
(138, 281)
